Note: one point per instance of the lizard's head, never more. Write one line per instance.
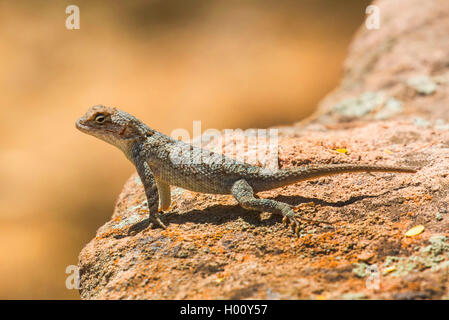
(111, 125)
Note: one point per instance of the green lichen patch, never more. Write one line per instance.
(377, 104)
(422, 84)
(433, 256)
(360, 269)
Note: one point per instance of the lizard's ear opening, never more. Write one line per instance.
(122, 132)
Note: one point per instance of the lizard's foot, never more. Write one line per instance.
(292, 217)
(244, 194)
(153, 222)
(156, 222)
(292, 221)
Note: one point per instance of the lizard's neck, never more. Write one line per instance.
(134, 152)
(139, 149)
(144, 142)
(132, 148)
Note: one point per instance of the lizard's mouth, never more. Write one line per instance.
(80, 126)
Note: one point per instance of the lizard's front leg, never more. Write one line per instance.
(244, 194)
(151, 192)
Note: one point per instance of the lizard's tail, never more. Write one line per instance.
(293, 175)
(311, 172)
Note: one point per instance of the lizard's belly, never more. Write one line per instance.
(202, 186)
(194, 179)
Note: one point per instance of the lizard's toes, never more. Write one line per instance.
(156, 222)
(295, 225)
(156, 225)
(160, 223)
(297, 230)
(292, 225)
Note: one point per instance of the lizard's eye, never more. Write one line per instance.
(100, 118)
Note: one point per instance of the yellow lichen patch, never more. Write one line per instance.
(388, 151)
(389, 269)
(219, 280)
(342, 150)
(414, 231)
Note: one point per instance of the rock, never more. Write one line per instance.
(213, 249)
(406, 58)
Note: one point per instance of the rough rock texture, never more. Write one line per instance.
(390, 109)
(406, 58)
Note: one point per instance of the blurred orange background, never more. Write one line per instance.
(230, 64)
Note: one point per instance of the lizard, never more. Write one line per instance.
(162, 161)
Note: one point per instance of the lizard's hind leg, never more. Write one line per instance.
(244, 194)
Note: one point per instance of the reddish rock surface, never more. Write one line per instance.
(412, 43)
(213, 249)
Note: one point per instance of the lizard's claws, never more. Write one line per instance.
(156, 221)
(292, 222)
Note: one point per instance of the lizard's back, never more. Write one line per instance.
(180, 164)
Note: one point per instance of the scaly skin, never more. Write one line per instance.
(162, 162)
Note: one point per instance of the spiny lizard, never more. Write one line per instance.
(162, 161)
